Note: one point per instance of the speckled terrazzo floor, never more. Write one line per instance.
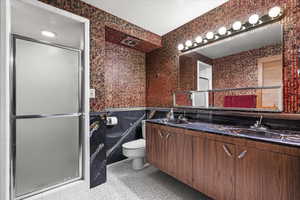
(148, 184)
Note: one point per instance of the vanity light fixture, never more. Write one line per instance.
(275, 12)
(199, 39)
(188, 43)
(222, 30)
(48, 34)
(253, 19)
(237, 25)
(180, 47)
(210, 35)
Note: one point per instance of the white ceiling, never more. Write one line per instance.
(29, 21)
(157, 16)
(257, 38)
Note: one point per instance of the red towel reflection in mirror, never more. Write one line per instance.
(241, 101)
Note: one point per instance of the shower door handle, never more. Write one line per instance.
(47, 116)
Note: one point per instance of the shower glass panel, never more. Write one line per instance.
(46, 79)
(47, 152)
(47, 115)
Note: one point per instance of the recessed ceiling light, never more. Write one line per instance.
(48, 34)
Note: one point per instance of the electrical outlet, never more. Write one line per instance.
(92, 93)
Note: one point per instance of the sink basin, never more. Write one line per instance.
(284, 135)
(175, 121)
(266, 134)
(275, 134)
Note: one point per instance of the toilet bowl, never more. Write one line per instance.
(136, 150)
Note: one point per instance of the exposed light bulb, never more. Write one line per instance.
(222, 30)
(48, 34)
(199, 39)
(237, 25)
(188, 43)
(210, 35)
(274, 12)
(254, 19)
(180, 47)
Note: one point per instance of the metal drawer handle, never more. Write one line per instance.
(160, 134)
(168, 135)
(242, 155)
(227, 150)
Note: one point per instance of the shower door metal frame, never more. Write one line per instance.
(14, 117)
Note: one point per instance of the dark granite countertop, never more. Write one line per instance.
(283, 137)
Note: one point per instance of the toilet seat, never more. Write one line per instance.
(136, 144)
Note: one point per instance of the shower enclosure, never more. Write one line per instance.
(44, 102)
(47, 115)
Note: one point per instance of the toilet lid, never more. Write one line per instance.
(136, 144)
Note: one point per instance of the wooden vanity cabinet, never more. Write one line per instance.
(225, 168)
(184, 153)
(154, 147)
(263, 174)
(172, 152)
(219, 170)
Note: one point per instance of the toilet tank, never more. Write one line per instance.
(144, 129)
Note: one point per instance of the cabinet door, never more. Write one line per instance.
(219, 170)
(170, 152)
(154, 146)
(184, 153)
(149, 144)
(262, 175)
(198, 163)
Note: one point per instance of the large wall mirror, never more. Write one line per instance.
(242, 72)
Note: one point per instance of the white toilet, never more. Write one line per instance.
(136, 150)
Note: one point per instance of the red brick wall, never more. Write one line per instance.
(99, 19)
(125, 76)
(163, 64)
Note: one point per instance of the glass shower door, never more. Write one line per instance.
(47, 115)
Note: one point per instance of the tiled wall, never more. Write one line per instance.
(98, 21)
(163, 64)
(188, 73)
(125, 77)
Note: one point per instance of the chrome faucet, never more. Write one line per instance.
(170, 115)
(258, 125)
(182, 118)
